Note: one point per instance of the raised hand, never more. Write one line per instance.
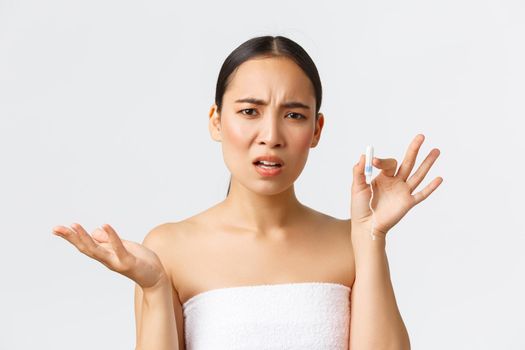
(392, 197)
(128, 258)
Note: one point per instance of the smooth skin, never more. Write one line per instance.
(156, 326)
(267, 210)
(374, 305)
(128, 258)
(267, 207)
(393, 196)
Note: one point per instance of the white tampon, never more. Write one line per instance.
(368, 175)
(368, 163)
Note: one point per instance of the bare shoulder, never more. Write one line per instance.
(340, 224)
(167, 240)
(336, 225)
(345, 226)
(156, 236)
(161, 238)
(339, 229)
(177, 244)
(339, 242)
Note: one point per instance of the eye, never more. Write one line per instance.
(247, 109)
(300, 115)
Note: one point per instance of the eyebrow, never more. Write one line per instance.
(290, 104)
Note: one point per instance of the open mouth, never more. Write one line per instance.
(267, 165)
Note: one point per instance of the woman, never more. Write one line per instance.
(260, 269)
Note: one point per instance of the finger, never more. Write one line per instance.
(388, 165)
(100, 236)
(359, 171)
(115, 241)
(410, 157)
(68, 234)
(425, 192)
(93, 249)
(423, 169)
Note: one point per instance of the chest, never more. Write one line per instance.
(210, 260)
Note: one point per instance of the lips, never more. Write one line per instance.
(269, 158)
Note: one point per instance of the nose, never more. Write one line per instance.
(270, 132)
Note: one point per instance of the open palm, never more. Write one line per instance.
(128, 258)
(392, 192)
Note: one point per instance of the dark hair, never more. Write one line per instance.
(267, 46)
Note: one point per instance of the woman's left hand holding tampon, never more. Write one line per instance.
(392, 197)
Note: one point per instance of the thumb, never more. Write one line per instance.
(100, 235)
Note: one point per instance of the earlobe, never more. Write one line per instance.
(214, 124)
(318, 127)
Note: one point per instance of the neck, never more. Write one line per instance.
(264, 214)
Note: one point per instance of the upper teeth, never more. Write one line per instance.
(267, 163)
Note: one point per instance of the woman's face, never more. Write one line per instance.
(251, 129)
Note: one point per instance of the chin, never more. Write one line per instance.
(265, 187)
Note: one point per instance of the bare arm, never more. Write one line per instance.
(375, 319)
(156, 324)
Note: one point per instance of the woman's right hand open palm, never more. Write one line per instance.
(128, 258)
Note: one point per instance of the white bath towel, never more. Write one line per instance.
(286, 316)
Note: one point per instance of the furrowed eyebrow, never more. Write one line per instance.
(256, 101)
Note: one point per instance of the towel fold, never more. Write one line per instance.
(285, 316)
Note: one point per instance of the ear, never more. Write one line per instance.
(318, 128)
(214, 124)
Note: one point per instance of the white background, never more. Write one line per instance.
(104, 111)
